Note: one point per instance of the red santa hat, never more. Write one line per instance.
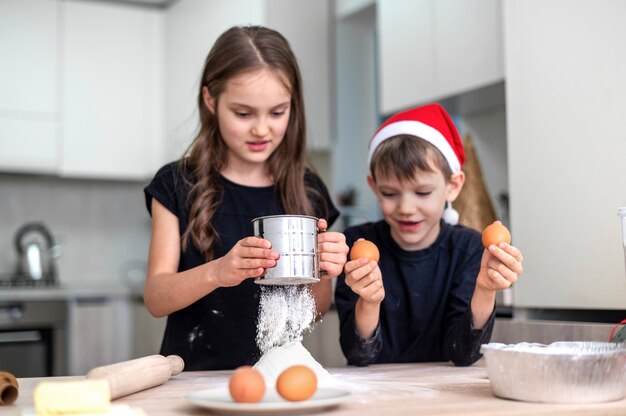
(433, 124)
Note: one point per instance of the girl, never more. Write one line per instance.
(248, 160)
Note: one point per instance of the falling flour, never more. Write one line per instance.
(285, 314)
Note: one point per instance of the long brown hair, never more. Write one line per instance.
(243, 49)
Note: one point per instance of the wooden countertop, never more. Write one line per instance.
(387, 390)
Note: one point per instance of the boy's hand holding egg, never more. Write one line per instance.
(364, 278)
(364, 249)
(496, 233)
(500, 266)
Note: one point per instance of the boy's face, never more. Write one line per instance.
(413, 209)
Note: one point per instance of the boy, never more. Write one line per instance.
(431, 296)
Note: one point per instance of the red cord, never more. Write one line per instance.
(615, 329)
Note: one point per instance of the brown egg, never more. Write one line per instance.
(364, 248)
(246, 385)
(296, 383)
(496, 233)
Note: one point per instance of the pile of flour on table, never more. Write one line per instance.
(285, 314)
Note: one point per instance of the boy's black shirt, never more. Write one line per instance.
(426, 314)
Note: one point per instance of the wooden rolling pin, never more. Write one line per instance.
(8, 388)
(131, 376)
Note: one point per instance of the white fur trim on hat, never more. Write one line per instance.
(421, 130)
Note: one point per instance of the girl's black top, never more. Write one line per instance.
(219, 330)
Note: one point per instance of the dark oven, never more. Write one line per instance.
(33, 337)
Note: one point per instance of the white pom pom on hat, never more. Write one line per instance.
(433, 124)
(450, 215)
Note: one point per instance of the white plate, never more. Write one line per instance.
(272, 404)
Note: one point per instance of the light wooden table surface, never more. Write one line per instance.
(386, 390)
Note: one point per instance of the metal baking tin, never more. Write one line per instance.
(295, 238)
(561, 372)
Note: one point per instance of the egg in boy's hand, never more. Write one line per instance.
(496, 233)
(364, 249)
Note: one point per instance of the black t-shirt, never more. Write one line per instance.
(219, 330)
(426, 313)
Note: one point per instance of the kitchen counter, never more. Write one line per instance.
(17, 294)
(390, 389)
(89, 326)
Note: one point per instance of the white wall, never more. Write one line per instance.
(566, 99)
(103, 227)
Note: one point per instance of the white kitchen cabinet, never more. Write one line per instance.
(468, 45)
(356, 107)
(112, 90)
(405, 53)
(29, 145)
(432, 49)
(29, 76)
(306, 25)
(99, 332)
(147, 333)
(566, 100)
(192, 26)
(28, 46)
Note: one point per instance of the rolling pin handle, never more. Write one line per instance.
(177, 364)
(131, 376)
(8, 388)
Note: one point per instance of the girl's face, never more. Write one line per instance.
(253, 113)
(413, 209)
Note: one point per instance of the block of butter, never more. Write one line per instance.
(80, 396)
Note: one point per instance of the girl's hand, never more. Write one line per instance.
(248, 258)
(332, 250)
(500, 267)
(365, 279)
